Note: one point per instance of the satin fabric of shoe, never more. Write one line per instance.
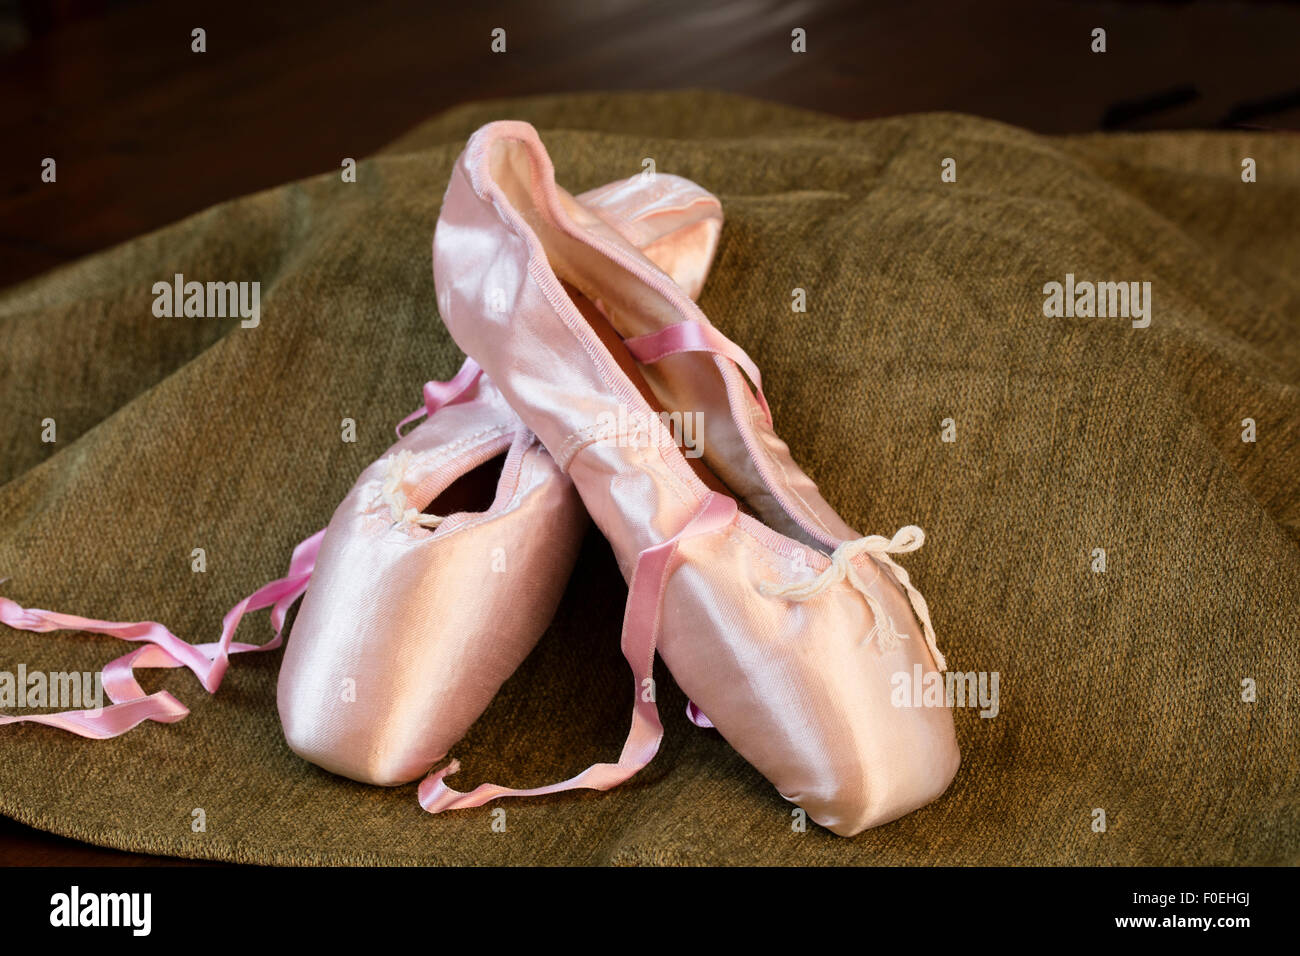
(802, 689)
(407, 633)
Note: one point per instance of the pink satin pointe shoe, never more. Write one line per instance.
(437, 574)
(444, 564)
(782, 624)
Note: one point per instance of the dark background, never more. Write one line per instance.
(146, 132)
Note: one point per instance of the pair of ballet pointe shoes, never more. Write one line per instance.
(589, 362)
(590, 365)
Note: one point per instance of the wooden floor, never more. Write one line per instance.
(146, 132)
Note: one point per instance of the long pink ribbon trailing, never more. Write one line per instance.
(640, 636)
(131, 705)
(691, 335)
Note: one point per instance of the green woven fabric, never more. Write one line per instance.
(1119, 690)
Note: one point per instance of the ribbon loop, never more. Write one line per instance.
(640, 635)
(441, 394)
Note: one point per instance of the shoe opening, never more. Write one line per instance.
(472, 493)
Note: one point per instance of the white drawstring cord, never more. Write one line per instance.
(394, 497)
(880, 548)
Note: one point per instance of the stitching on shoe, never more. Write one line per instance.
(587, 435)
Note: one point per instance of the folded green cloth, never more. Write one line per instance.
(1120, 691)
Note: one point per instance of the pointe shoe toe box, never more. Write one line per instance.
(406, 634)
(805, 691)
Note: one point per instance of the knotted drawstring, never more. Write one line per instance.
(391, 494)
(905, 541)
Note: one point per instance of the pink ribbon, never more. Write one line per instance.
(640, 636)
(697, 716)
(131, 705)
(440, 394)
(694, 336)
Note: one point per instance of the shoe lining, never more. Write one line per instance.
(610, 338)
(618, 305)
